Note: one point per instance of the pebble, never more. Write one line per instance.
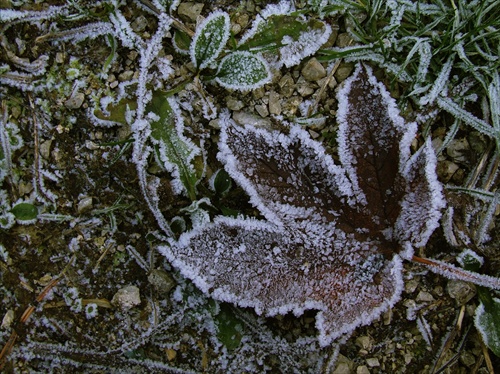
(234, 104)
(424, 296)
(161, 281)
(262, 110)
(274, 103)
(372, 362)
(189, 11)
(245, 118)
(303, 87)
(126, 76)
(362, 370)
(313, 70)
(140, 23)
(344, 70)
(75, 101)
(344, 40)
(8, 318)
(458, 150)
(344, 365)
(85, 204)
(461, 291)
(445, 170)
(364, 342)
(126, 297)
(287, 85)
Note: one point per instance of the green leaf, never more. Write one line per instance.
(25, 212)
(175, 150)
(487, 321)
(181, 42)
(292, 36)
(209, 39)
(221, 182)
(229, 327)
(243, 71)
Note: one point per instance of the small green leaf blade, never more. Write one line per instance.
(210, 38)
(25, 212)
(176, 152)
(243, 71)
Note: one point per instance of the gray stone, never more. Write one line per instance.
(75, 101)
(313, 70)
(234, 104)
(445, 170)
(245, 118)
(458, 150)
(85, 204)
(424, 296)
(262, 110)
(362, 370)
(344, 70)
(139, 24)
(161, 281)
(274, 103)
(287, 85)
(344, 40)
(189, 11)
(126, 297)
(461, 291)
(372, 362)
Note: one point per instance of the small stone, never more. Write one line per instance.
(126, 76)
(287, 85)
(313, 70)
(274, 103)
(234, 104)
(461, 291)
(344, 40)
(362, 370)
(262, 110)
(304, 88)
(189, 11)
(244, 118)
(45, 149)
(425, 297)
(344, 70)
(364, 342)
(445, 170)
(372, 362)
(75, 101)
(140, 23)
(411, 285)
(344, 365)
(126, 297)
(8, 318)
(85, 204)
(161, 281)
(458, 150)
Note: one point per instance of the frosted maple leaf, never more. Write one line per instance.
(333, 237)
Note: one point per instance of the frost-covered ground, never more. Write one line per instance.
(119, 305)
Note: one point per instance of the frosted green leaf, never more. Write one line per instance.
(243, 71)
(210, 38)
(25, 212)
(487, 321)
(291, 36)
(176, 152)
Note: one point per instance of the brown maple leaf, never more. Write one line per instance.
(334, 237)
